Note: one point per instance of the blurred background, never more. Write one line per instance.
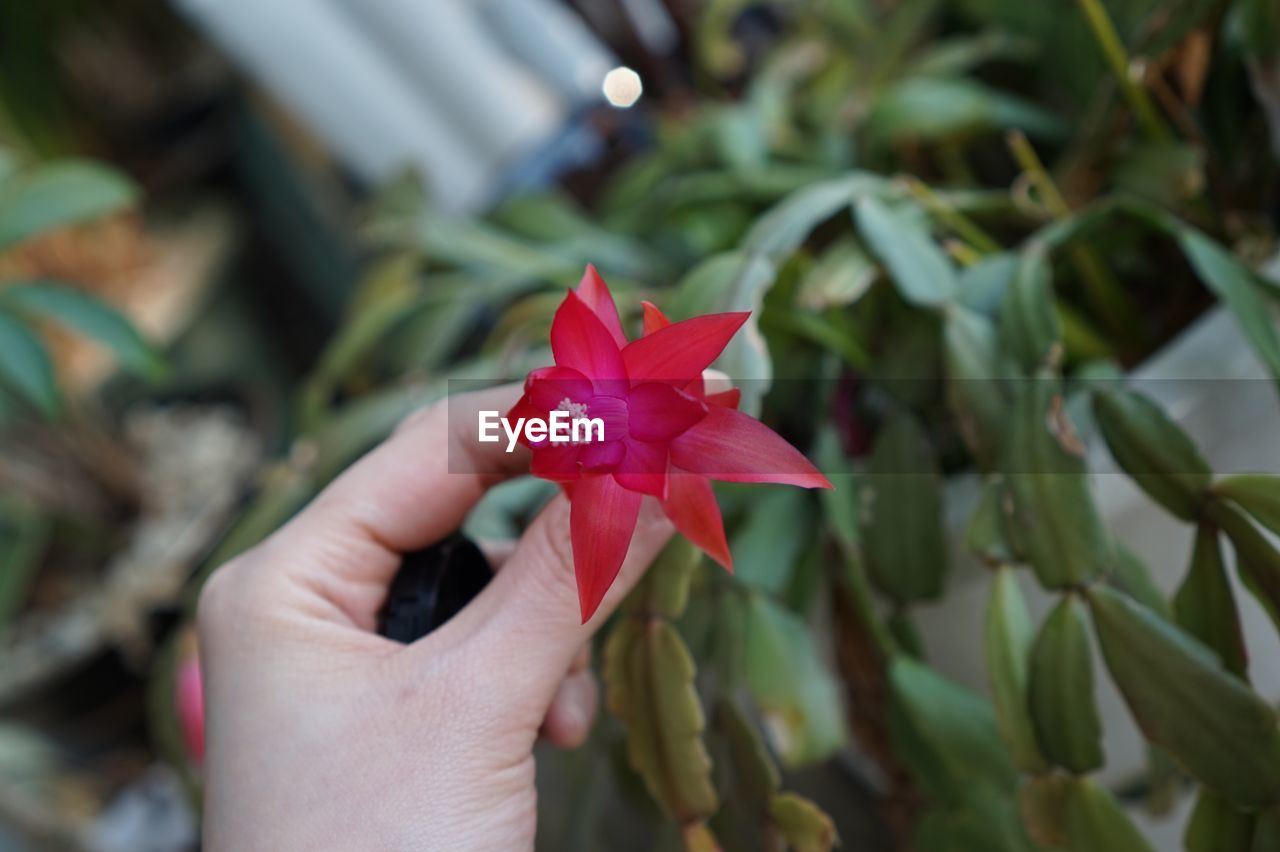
(239, 241)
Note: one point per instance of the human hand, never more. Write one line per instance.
(322, 734)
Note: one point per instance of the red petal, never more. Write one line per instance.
(659, 412)
(523, 409)
(580, 341)
(726, 399)
(681, 351)
(654, 319)
(602, 455)
(556, 462)
(615, 414)
(729, 445)
(547, 387)
(644, 468)
(691, 506)
(593, 291)
(601, 521)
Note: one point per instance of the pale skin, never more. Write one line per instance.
(323, 735)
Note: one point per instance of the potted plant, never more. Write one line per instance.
(939, 342)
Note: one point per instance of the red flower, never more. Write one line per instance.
(188, 699)
(663, 435)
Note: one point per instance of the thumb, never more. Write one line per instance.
(530, 611)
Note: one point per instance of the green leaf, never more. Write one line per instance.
(25, 366)
(839, 278)
(1258, 494)
(1184, 700)
(1205, 605)
(977, 395)
(983, 285)
(929, 108)
(1053, 521)
(919, 269)
(767, 544)
(755, 774)
(902, 513)
(798, 696)
(956, 55)
(945, 734)
(905, 635)
(1257, 559)
(733, 281)
(663, 591)
(59, 194)
(987, 821)
(1008, 638)
(1129, 574)
(649, 681)
(1095, 822)
(1266, 831)
(1029, 325)
(803, 825)
(841, 514)
(1217, 825)
(476, 245)
(1237, 287)
(784, 227)
(985, 535)
(1060, 690)
(1154, 450)
(85, 313)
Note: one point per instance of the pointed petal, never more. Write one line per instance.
(682, 350)
(580, 341)
(522, 410)
(556, 462)
(654, 319)
(691, 506)
(729, 445)
(659, 412)
(726, 399)
(547, 387)
(644, 468)
(601, 521)
(595, 293)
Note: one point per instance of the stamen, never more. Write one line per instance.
(577, 411)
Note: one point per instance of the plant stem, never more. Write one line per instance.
(963, 227)
(1104, 292)
(1030, 163)
(1118, 58)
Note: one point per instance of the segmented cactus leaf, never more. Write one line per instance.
(1205, 605)
(1008, 637)
(1185, 700)
(1054, 522)
(1154, 450)
(1095, 822)
(902, 514)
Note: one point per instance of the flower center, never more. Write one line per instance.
(576, 411)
